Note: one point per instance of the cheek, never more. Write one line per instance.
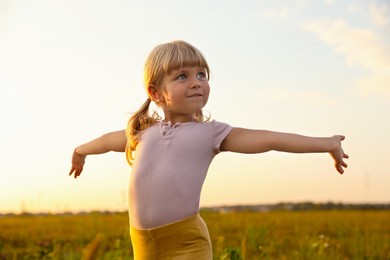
(167, 94)
(173, 96)
(207, 92)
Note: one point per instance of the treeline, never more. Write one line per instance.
(283, 206)
(300, 206)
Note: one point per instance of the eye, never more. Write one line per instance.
(201, 75)
(181, 76)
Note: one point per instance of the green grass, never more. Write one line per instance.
(302, 235)
(243, 235)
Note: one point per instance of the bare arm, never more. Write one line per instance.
(242, 140)
(114, 141)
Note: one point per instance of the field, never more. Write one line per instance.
(340, 234)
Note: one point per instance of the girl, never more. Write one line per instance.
(170, 157)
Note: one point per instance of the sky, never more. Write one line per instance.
(71, 71)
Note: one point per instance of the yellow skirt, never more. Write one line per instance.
(185, 239)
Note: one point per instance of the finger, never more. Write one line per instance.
(344, 164)
(79, 170)
(75, 171)
(78, 173)
(71, 171)
(342, 137)
(345, 155)
(340, 169)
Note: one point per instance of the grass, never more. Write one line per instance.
(243, 235)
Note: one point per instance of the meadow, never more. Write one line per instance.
(326, 234)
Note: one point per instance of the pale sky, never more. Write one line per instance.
(71, 71)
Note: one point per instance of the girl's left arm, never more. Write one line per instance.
(242, 140)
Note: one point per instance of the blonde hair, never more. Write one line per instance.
(162, 61)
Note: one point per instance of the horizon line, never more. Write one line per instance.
(271, 206)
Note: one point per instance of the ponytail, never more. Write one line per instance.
(137, 123)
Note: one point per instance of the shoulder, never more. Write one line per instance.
(212, 125)
(155, 128)
(219, 131)
(220, 126)
(215, 123)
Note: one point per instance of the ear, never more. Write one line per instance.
(154, 93)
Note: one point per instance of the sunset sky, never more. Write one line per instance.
(71, 71)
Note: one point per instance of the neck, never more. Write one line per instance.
(180, 118)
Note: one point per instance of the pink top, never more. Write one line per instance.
(170, 166)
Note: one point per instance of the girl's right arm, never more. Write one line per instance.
(114, 141)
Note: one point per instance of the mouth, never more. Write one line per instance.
(195, 95)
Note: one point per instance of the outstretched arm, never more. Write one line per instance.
(114, 141)
(242, 140)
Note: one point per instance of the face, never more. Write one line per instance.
(185, 92)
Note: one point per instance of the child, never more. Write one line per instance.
(170, 157)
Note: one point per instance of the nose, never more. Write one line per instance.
(195, 85)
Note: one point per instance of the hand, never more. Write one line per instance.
(78, 162)
(338, 154)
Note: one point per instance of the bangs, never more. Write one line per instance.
(172, 56)
(183, 56)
